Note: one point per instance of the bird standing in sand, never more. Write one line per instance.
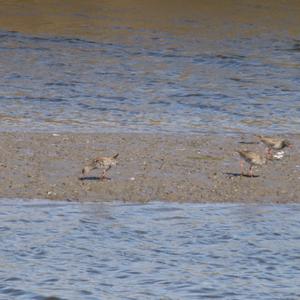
(104, 163)
(252, 158)
(274, 143)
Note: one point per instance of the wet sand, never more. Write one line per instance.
(195, 168)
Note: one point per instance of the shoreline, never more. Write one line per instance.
(152, 167)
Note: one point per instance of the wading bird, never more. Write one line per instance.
(273, 143)
(252, 158)
(104, 163)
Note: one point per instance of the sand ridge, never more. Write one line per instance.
(193, 168)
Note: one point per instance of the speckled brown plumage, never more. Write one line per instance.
(273, 143)
(252, 158)
(104, 163)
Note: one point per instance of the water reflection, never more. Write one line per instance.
(176, 251)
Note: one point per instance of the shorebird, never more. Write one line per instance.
(252, 158)
(274, 143)
(101, 162)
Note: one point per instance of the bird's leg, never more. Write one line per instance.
(269, 154)
(250, 171)
(103, 175)
(242, 167)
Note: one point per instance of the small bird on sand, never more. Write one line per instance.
(104, 163)
(252, 158)
(273, 143)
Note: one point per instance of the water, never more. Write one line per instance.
(149, 66)
(152, 251)
(131, 66)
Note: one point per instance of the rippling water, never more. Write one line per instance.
(118, 67)
(152, 251)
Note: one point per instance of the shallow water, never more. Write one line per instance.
(151, 251)
(135, 66)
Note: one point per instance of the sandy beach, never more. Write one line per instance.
(195, 168)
